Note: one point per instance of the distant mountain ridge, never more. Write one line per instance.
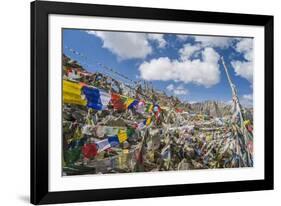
(212, 108)
(217, 109)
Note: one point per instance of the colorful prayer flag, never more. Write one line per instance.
(147, 121)
(96, 99)
(113, 140)
(118, 101)
(72, 93)
(89, 150)
(166, 152)
(130, 131)
(141, 125)
(128, 102)
(105, 99)
(103, 145)
(133, 104)
(149, 107)
(140, 108)
(122, 135)
(72, 155)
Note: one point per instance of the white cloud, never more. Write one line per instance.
(159, 38)
(125, 45)
(188, 50)
(209, 41)
(179, 90)
(202, 72)
(182, 37)
(170, 87)
(244, 68)
(248, 96)
(213, 41)
(245, 46)
(193, 102)
(247, 100)
(129, 45)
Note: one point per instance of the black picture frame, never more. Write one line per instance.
(40, 112)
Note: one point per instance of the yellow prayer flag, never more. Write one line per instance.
(148, 121)
(129, 101)
(150, 108)
(73, 99)
(122, 135)
(72, 93)
(247, 122)
(72, 87)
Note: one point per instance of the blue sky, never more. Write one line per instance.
(186, 66)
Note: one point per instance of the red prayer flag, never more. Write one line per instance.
(89, 150)
(117, 102)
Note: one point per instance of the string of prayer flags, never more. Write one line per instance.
(99, 100)
(135, 134)
(112, 141)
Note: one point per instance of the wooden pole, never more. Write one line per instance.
(235, 98)
(237, 105)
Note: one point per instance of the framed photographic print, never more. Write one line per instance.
(133, 102)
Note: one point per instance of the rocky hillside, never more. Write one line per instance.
(217, 109)
(213, 108)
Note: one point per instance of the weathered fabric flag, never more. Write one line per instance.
(113, 140)
(96, 99)
(149, 107)
(103, 145)
(118, 101)
(122, 135)
(89, 150)
(72, 93)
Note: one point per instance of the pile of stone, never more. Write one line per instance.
(174, 136)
